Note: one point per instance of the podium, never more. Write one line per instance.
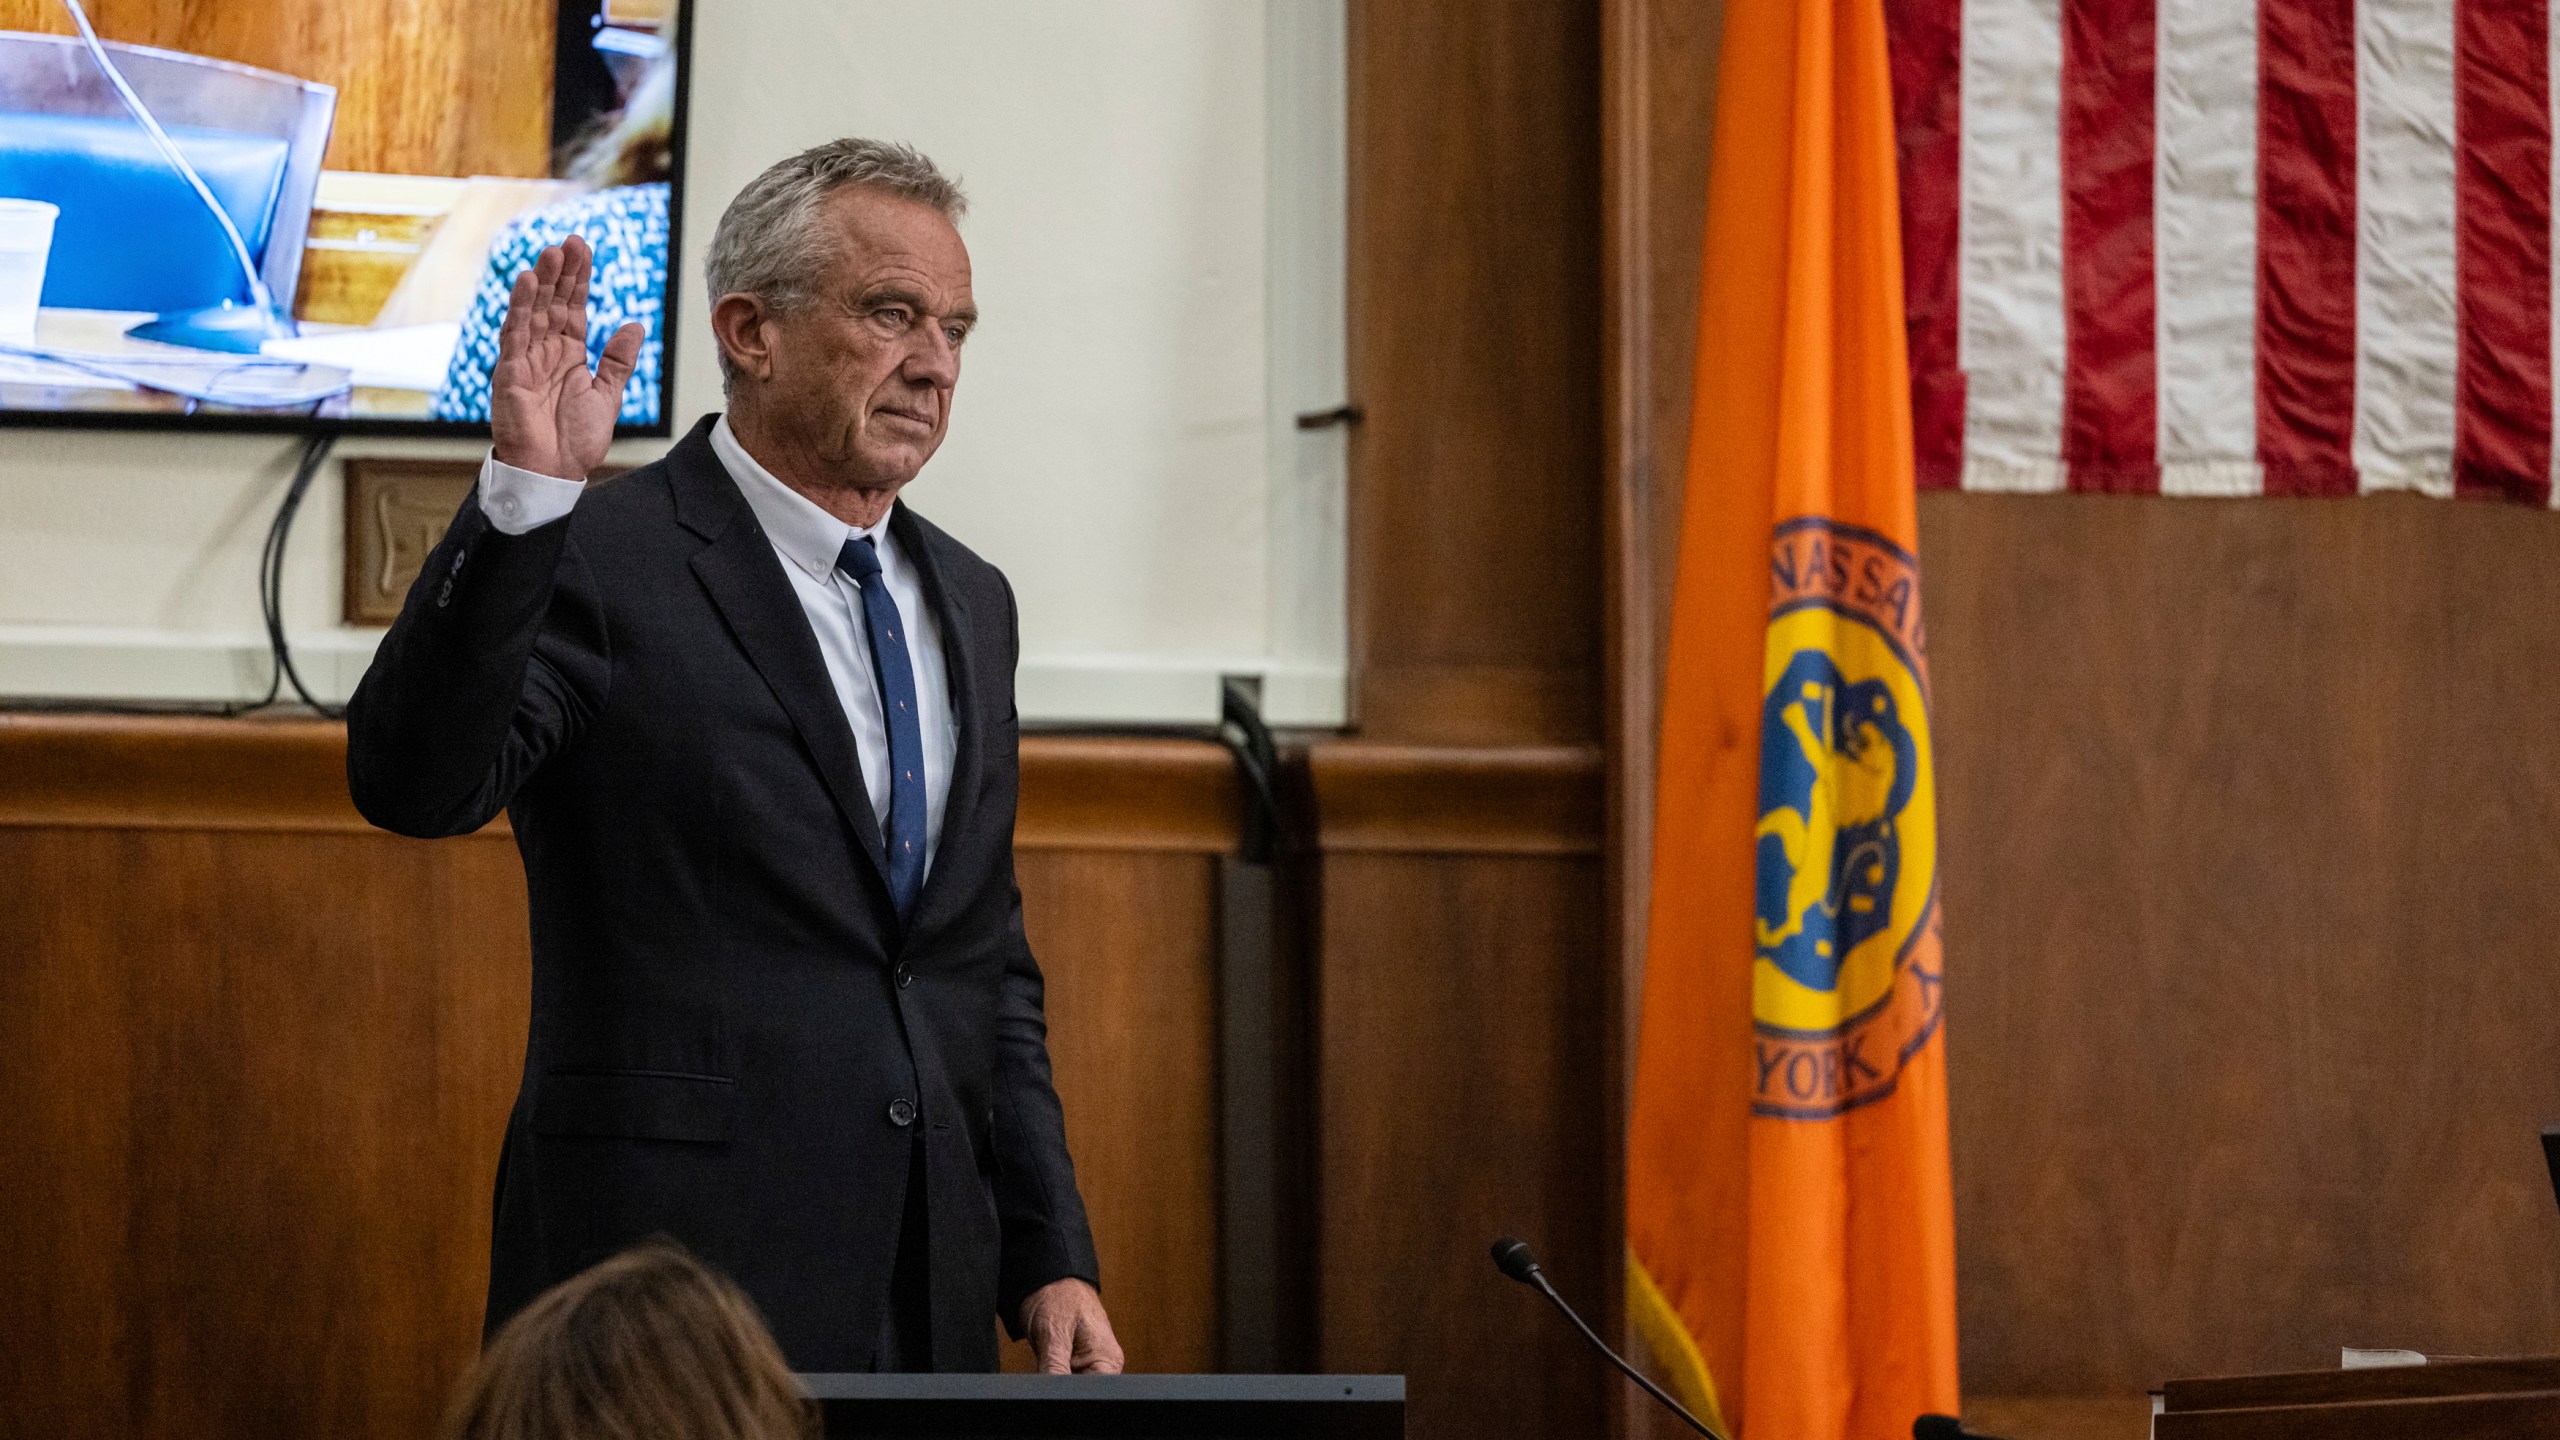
(1122, 1407)
(2461, 1400)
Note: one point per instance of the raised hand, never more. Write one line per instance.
(548, 413)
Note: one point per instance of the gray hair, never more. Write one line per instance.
(769, 244)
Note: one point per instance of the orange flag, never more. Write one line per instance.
(1790, 1227)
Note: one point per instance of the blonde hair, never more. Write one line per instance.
(634, 145)
(649, 1345)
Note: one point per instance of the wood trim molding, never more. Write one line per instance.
(1098, 793)
(176, 772)
(1430, 799)
(179, 772)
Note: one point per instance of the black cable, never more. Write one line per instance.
(271, 580)
(270, 610)
(1241, 730)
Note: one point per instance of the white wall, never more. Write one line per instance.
(1153, 184)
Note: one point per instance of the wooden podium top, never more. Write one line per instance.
(2462, 1400)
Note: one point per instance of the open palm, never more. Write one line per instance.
(548, 413)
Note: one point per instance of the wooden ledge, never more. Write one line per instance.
(181, 772)
(1505, 800)
(176, 772)
(132, 772)
(1096, 793)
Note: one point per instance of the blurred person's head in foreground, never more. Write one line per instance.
(650, 1345)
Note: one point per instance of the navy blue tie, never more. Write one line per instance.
(860, 559)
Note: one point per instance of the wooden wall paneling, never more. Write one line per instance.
(1128, 943)
(1463, 999)
(1475, 303)
(2247, 814)
(256, 1082)
(1461, 1035)
(259, 1058)
(430, 87)
(1463, 1099)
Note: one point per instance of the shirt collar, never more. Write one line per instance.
(802, 533)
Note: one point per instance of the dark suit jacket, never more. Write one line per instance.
(734, 1041)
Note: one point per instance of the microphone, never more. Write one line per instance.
(1513, 1258)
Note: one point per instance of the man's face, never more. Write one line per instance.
(863, 373)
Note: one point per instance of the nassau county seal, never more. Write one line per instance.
(1846, 980)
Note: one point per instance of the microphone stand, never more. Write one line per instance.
(1515, 1261)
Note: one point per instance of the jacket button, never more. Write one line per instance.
(905, 974)
(902, 1112)
(444, 593)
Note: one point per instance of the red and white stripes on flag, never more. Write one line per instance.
(2216, 247)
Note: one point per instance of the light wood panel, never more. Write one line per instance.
(257, 1059)
(430, 87)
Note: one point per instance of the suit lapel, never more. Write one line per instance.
(745, 580)
(960, 663)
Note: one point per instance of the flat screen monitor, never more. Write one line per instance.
(305, 214)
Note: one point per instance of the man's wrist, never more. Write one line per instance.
(518, 500)
(551, 466)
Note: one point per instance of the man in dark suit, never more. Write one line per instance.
(753, 721)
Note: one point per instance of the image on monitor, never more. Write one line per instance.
(308, 212)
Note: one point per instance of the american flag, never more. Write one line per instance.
(2217, 247)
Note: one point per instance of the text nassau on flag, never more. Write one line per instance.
(1790, 1224)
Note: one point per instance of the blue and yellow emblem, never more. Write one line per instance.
(1846, 980)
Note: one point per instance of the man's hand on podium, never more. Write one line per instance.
(1068, 1331)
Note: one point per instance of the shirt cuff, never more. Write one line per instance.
(519, 500)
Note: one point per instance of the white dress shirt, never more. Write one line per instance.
(808, 540)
